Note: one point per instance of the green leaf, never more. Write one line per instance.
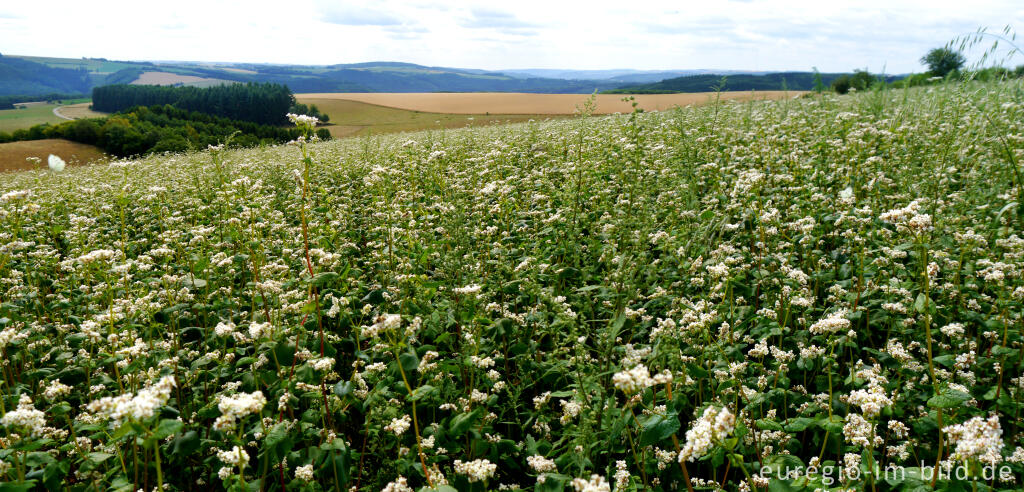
(422, 392)
(765, 424)
(463, 421)
(38, 459)
(185, 444)
(343, 388)
(948, 399)
(798, 424)
(17, 487)
(167, 427)
(658, 427)
(54, 474)
(278, 443)
(409, 360)
(326, 278)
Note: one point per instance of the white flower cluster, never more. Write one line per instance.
(236, 456)
(382, 323)
(872, 400)
(621, 475)
(597, 483)
(140, 406)
(638, 378)
(323, 365)
(399, 425)
(11, 196)
(908, 217)
(714, 426)
(235, 407)
(224, 329)
(476, 470)
(399, 485)
(25, 416)
(832, 323)
(56, 389)
(97, 255)
(303, 120)
(304, 473)
(860, 432)
(541, 464)
(978, 438)
(467, 290)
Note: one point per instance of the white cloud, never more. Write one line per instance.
(756, 34)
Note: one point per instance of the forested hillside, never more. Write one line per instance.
(259, 103)
(20, 76)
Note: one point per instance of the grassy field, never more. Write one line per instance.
(536, 104)
(79, 110)
(33, 114)
(791, 295)
(13, 155)
(352, 118)
(168, 78)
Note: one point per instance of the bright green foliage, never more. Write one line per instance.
(556, 305)
(942, 61)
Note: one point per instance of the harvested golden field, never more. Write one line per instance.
(77, 111)
(533, 104)
(167, 78)
(13, 155)
(352, 118)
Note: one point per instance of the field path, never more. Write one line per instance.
(56, 112)
(523, 103)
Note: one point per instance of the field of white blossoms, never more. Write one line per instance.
(818, 293)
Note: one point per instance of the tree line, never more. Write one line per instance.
(258, 103)
(160, 128)
(8, 102)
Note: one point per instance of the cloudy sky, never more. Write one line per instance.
(680, 34)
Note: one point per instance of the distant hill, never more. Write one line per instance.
(797, 81)
(43, 75)
(21, 76)
(615, 75)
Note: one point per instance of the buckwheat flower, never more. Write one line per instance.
(224, 329)
(399, 485)
(382, 323)
(871, 401)
(301, 120)
(621, 475)
(324, 364)
(56, 389)
(467, 290)
(97, 255)
(476, 470)
(56, 163)
(257, 330)
(140, 406)
(978, 438)
(304, 473)
(952, 330)
(236, 456)
(399, 425)
(859, 431)
(633, 380)
(834, 322)
(25, 417)
(597, 483)
(16, 195)
(851, 466)
(541, 464)
(237, 406)
(712, 427)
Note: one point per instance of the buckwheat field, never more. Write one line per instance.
(821, 293)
